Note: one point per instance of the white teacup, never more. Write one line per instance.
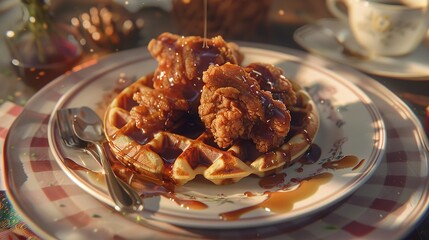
(385, 27)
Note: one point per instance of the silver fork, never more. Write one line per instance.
(69, 138)
(125, 197)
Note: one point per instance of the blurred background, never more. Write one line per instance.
(92, 28)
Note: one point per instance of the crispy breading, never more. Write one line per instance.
(233, 106)
(272, 79)
(158, 109)
(182, 60)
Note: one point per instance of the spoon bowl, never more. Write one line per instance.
(89, 127)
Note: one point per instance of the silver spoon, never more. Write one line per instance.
(64, 122)
(89, 127)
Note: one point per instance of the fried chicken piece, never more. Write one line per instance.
(158, 109)
(177, 80)
(271, 78)
(182, 60)
(233, 106)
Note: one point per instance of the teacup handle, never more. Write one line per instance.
(336, 11)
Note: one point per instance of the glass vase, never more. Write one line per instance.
(40, 48)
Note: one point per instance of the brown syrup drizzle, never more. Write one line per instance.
(271, 181)
(150, 189)
(361, 162)
(282, 202)
(269, 82)
(74, 166)
(349, 161)
(249, 194)
(204, 55)
(273, 112)
(277, 202)
(147, 189)
(186, 203)
(205, 25)
(310, 157)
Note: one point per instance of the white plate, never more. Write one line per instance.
(54, 206)
(412, 67)
(350, 125)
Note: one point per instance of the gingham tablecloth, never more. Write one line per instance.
(11, 225)
(355, 217)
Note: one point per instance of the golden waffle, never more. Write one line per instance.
(186, 151)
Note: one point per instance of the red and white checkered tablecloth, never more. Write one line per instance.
(391, 199)
(11, 225)
(8, 112)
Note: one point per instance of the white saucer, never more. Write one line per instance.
(414, 66)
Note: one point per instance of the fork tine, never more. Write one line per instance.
(62, 126)
(64, 122)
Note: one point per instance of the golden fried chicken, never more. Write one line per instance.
(271, 78)
(233, 106)
(182, 60)
(177, 81)
(158, 109)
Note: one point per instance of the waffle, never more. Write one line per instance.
(187, 150)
